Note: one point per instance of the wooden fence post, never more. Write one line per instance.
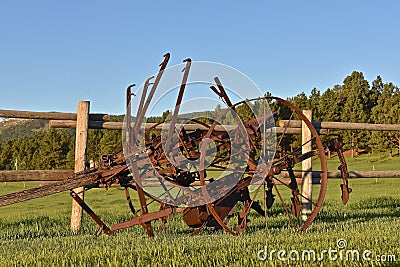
(306, 167)
(80, 159)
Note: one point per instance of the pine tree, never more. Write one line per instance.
(387, 111)
(355, 91)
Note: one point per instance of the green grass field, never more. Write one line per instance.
(36, 233)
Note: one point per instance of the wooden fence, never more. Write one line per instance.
(82, 121)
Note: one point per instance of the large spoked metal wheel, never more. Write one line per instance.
(293, 186)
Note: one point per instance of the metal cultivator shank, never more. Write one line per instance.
(204, 169)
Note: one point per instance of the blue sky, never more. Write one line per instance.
(53, 53)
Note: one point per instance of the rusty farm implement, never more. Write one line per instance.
(209, 169)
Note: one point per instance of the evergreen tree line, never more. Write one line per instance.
(355, 100)
(54, 149)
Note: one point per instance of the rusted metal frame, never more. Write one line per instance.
(91, 213)
(174, 183)
(131, 207)
(265, 130)
(135, 131)
(198, 230)
(288, 186)
(142, 98)
(128, 115)
(242, 217)
(129, 200)
(296, 205)
(247, 210)
(222, 93)
(211, 210)
(153, 199)
(142, 109)
(142, 200)
(240, 185)
(161, 181)
(157, 124)
(178, 102)
(140, 117)
(230, 214)
(210, 206)
(107, 177)
(296, 159)
(189, 192)
(143, 219)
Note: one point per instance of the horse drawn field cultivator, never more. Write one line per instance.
(210, 170)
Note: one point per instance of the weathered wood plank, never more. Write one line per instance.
(306, 165)
(343, 125)
(82, 128)
(49, 115)
(188, 127)
(35, 175)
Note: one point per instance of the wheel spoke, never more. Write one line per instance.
(285, 208)
(298, 149)
(300, 194)
(284, 130)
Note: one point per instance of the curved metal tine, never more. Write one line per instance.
(251, 203)
(128, 115)
(285, 208)
(211, 210)
(142, 98)
(175, 114)
(216, 91)
(222, 93)
(200, 228)
(128, 198)
(163, 65)
(178, 102)
(264, 128)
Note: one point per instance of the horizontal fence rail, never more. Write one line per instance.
(49, 115)
(35, 175)
(343, 125)
(190, 127)
(58, 175)
(102, 121)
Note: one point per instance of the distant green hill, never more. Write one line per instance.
(12, 129)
